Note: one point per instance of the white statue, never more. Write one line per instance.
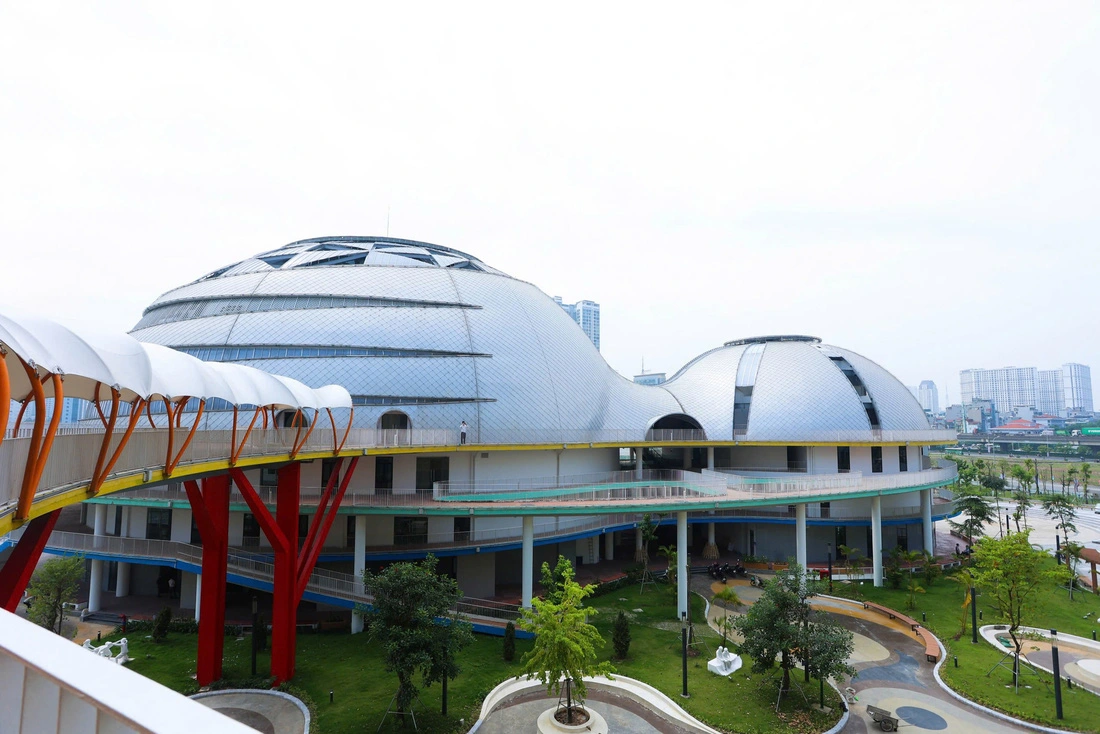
(123, 656)
(104, 650)
(724, 663)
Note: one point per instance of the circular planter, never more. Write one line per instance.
(547, 724)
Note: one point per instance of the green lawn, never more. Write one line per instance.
(350, 667)
(943, 605)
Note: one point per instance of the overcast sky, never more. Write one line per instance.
(915, 182)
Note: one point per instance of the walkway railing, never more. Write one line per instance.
(616, 485)
(332, 584)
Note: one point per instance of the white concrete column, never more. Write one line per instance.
(528, 559)
(681, 563)
(95, 586)
(711, 551)
(876, 539)
(122, 579)
(124, 530)
(800, 534)
(198, 595)
(99, 525)
(710, 458)
(609, 546)
(638, 465)
(360, 563)
(926, 519)
(687, 457)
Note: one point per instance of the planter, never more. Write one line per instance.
(547, 724)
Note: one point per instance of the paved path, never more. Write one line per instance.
(893, 672)
(623, 715)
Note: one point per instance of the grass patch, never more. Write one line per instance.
(942, 603)
(352, 668)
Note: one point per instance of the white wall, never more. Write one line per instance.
(181, 525)
(189, 582)
(138, 518)
(441, 529)
(759, 457)
(823, 460)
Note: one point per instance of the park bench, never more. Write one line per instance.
(931, 644)
(913, 624)
(885, 719)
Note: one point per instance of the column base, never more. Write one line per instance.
(711, 552)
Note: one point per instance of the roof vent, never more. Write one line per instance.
(774, 338)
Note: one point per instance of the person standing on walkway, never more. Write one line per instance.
(462, 431)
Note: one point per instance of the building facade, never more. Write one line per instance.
(425, 338)
(1077, 388)
(1061, 392)
(587, 316)
(1050, 392)
(929, 397)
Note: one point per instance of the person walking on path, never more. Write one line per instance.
(462, 431)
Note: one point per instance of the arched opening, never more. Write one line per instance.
(394, 420)
(675, 428)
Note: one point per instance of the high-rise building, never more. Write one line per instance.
(587, 316)
(1050, 396)
(929, 397)
(1007, 387)
(1062, 392)
(1077, 387)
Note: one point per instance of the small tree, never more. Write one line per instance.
(161, 623)
(565, 644)
(726, 597)
(1059, 508)
(53, 585)
(669, 552)
(552, 580)
(1023, 504)
(509, 652)
(912, 585)
(620, 635)
(978, 511)
(1085, 473)
(648, 530)
(929, 569)
(782, 625)
(853, 564)
(410, 617)
(893, 570)
(1072, 553)
(1010, 572)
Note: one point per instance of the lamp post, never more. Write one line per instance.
(684, 648)
(830, 557)
(1057, 674)
(255, 631)
(973, 615)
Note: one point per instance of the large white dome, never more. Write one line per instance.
(441, 337)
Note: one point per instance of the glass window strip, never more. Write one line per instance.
(284, 351)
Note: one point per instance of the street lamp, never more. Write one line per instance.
(1057, 673)
(830, 557)
(684, 647)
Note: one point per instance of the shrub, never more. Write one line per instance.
(620, 636)
(510, 642)
(161, 624)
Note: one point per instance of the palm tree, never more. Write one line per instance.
(669, 552)
(1071, 477)
(1003, 465)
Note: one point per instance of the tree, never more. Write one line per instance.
(978, 511)
(161, 623)
(1059, 508)
(1023, 504)
(892, 568)
(509, 652)
(912, 585)
(782, 625)
(669, 552)
(552, 580)
(1023, 480)
(1072, 554)
(853, 563)
(620, 635)
(1085, 473)
(53, 585)
(1010, 572)
(565, 644)
(726, 596)
(410, 617)
(648, 529)
(1031, 470)
(929, 569)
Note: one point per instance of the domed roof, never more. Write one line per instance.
(786, 388)
(453, 340)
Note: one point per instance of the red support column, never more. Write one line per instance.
(20, 566)
(211, 511)
(284, 615)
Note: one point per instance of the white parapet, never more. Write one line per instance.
(52, 686)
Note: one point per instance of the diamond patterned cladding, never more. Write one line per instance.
(418, 284)
(544, 374)
(800, 395)
(897, 409)
(436, 377)
(706, 390)
(209, 330)
(234, 285)
(412, 328)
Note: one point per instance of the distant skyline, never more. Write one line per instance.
(913, 182)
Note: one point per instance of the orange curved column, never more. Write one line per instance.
(5, 397)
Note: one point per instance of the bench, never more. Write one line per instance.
(913, 624)
(931, 645)
(885, 719)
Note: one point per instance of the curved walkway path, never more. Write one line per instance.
(893, 672)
